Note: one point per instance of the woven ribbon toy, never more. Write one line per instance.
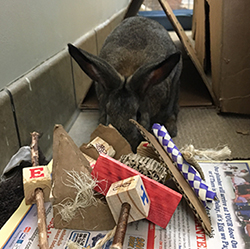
(190, 174)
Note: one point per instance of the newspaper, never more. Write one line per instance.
(230, 218)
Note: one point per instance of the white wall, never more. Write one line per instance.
(31, 31)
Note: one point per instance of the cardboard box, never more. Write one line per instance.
(222, 44)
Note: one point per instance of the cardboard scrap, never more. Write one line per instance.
(110, 135)
(145, 149)
(67, 156)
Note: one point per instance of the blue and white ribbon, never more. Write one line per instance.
(190, 174)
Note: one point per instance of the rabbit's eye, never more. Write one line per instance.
(138, 116)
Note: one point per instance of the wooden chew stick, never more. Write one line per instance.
(36, 187)
(39, 196)
(128, 201)
(121, 227)
(34, 149)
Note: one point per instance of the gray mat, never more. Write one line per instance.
(205, 129)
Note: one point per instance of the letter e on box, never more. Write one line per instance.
(33, 178)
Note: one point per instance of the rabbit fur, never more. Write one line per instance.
(136, 77)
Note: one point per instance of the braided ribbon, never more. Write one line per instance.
(190, 174)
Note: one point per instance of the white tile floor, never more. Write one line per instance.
(84, 125)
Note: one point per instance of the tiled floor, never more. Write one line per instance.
(84, 125)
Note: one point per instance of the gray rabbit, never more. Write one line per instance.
(136, 77)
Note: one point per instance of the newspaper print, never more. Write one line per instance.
(230, 218)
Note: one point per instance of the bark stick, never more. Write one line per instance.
(41, 217)
(34, 148)
(121, 227)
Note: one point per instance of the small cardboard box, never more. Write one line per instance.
(222, 38)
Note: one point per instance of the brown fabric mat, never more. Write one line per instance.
(206, 129)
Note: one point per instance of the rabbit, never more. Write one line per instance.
(136, 77)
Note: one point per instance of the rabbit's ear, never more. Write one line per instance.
(152, 74)
(96, 68)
